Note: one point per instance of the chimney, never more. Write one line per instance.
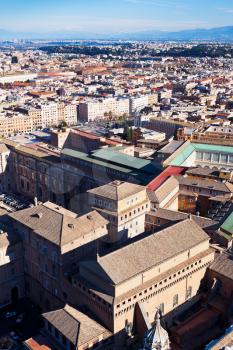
(35, 201)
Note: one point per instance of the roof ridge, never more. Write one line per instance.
(154, 234)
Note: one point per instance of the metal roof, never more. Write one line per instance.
(202, 147)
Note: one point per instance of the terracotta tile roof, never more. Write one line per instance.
(159, 180)
(38, 343)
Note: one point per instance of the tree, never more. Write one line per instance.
(63, 124)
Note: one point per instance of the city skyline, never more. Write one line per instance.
(114, 17)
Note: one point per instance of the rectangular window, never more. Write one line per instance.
(161, 308)
(175, 300)
(207, 156)
(189, 293)
(199, 155)
(224, 158)
(215, 158)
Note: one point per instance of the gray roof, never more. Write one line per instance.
(57, 224)
(178, 216)
(205, 183)
(171, 147)
(142, 255)
(117, 190)
(223, 265)
(77, 327)
(202, 171)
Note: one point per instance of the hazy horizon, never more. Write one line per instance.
(112, 17)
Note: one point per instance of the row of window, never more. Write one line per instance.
(159, 284)
(129, 215)
(214, 157)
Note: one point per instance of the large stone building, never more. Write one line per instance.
(37, 171)
(192, 154)
(54, 240)
(94, 109)
(163, 270)
(68, 328)
(124, 205)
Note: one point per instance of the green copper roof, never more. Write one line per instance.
(227, 226)
(182, 155)
(212, 148)
(124, 160)
(142, 170)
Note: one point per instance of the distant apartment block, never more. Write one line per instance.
(94, 109)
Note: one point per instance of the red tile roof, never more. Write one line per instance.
(160, 179)
(38, 343)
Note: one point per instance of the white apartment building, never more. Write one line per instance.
(93, 109)
(138, 103)
(67, 113)
(49, 114)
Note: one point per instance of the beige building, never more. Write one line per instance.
(68, 328)
(163, 270)
(11, 124)
(93, 109)
(166, 195)
(124, 205)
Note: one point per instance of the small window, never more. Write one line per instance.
(161, 308)
(189, 293)
(175, 300)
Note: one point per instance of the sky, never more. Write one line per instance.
(113, 16)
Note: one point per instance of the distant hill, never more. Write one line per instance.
(213, 34)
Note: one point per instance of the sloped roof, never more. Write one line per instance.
(142, 255)
(223, 265)
(57, 224)
(77, 327)
(117, 190)
(172, 215)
